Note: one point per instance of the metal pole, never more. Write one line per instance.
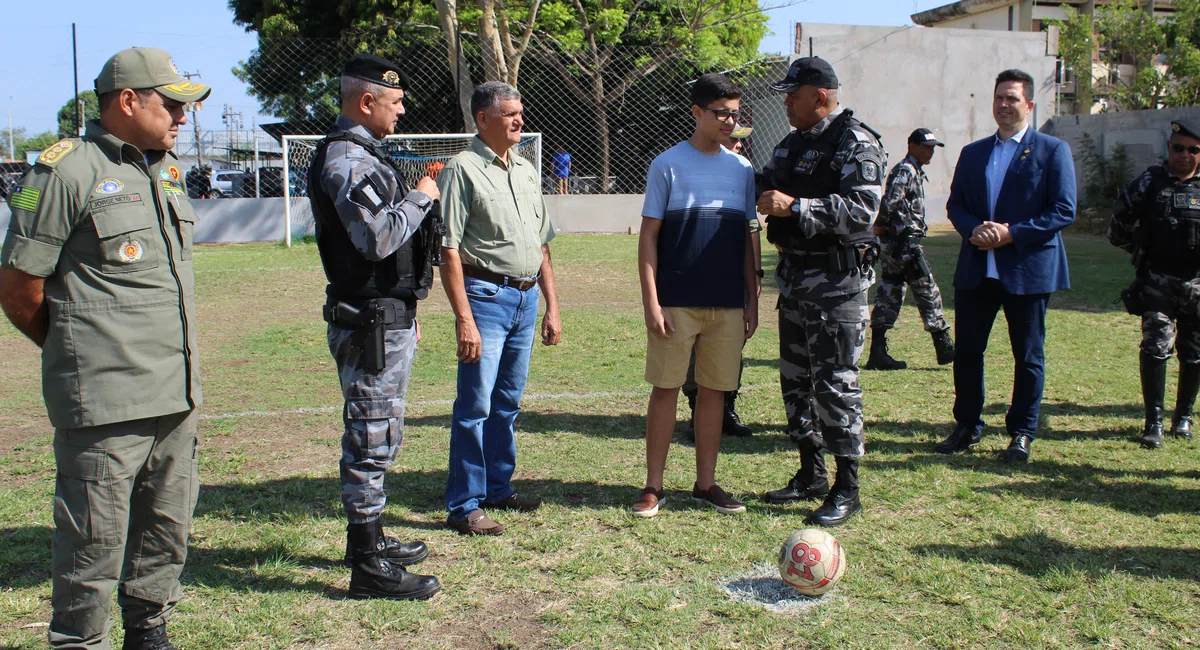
(75, 60)
(287, 198)
(12, 155)
(256, 167)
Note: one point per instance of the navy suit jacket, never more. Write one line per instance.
(1037, 200)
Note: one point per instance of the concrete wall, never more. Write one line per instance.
(1144, 134)
(896, 80)
(992, 19)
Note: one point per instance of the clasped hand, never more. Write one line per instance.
(990, 235)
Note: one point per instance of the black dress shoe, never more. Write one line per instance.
(798, 490)
(963, 438)
(1018, 449)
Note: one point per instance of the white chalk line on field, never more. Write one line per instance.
(531, 397)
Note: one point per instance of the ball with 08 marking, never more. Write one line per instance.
(811, 561)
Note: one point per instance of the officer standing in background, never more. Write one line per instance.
(900, 227)
(822, 191)
(378, 242)
(1157, 218)
(97, 270)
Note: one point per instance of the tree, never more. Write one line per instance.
(600, 48)
(23, 143)
(1076, 44)
(66, 114)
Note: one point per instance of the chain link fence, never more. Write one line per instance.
(612, 111)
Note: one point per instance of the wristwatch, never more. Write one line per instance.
(797, 208)
(760, 273)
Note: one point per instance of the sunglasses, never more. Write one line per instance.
(1179, 148)
(724, 115)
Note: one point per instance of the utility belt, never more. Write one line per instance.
(520, 284)
(836, 259)
(370, 320)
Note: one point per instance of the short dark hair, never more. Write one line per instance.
(1016, 75)
(106, 100)
(711, 87)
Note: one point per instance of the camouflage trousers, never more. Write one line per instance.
(373, 415)
(904, 265)
(1170, 298)
(820, 342)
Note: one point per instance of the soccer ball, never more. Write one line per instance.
(811, 561)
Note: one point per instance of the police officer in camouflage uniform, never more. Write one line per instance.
(900, 227)
(374, 235)
(821, 192)
(96, 269)
(1157, 218)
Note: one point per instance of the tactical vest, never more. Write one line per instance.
(806, 169)
(404, 275)
(1173, 235)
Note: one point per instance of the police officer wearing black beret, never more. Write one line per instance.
(376, 236)
(1157, 218)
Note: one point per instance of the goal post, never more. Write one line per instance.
(417, 155)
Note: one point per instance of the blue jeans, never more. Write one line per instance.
(483, 450)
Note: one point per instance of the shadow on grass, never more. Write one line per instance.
(260, 569)
(1039, 555)
(25, 558)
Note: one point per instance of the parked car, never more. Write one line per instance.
(223, 182)
(272, 183)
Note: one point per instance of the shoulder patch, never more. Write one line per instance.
(25, 198)
(56, 152)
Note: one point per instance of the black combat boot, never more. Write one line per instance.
(1154, 388)
(372, 575)
(691, 431)
(944, 346)
(731, 424)
(811, 482)
(1185, 400)
(842, 502)
(153, 639)
(397, 552)
(880, 359)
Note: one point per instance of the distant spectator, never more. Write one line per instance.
(561, 162)
(433, 168)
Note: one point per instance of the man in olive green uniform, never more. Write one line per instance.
(97, 270)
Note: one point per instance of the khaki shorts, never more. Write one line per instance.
(717, 333)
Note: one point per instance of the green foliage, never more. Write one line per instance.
(1076, 43)
(66, 114)
(23, 143)
(1103, 179)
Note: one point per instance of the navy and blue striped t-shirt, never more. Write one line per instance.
(704, 202)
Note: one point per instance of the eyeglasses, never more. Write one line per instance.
(724, 115)
(1179, 148)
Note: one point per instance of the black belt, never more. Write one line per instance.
(521, 284)
(385, 312)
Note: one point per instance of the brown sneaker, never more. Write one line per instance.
(476, 523)
(717, 498)
(514, 502)
(647, 502)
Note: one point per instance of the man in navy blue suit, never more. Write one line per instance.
(1011, 195)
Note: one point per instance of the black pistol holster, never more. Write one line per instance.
(370, 321)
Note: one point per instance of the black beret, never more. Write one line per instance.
(369, 67)
(1185, 127)
(807, 71)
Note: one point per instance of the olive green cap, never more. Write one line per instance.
(139, 68)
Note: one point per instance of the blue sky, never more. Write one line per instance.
(36, 40)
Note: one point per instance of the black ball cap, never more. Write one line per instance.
(807, 71)
(925, 136)
(1186, 127)
(377, 70)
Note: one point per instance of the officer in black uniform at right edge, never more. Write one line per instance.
(379, 242)
(1157, 218)
(821, 191)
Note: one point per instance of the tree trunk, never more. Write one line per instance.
(494, 65)
(602, 130)
(448, 15)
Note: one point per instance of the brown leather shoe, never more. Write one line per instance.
(514, 502)
(647, 502)
(476, 523)
(719, 499)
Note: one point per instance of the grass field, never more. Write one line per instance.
(1094, 543)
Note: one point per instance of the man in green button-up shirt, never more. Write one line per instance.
(495, 255)
(96, 269)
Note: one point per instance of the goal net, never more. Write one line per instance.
(418, 155)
